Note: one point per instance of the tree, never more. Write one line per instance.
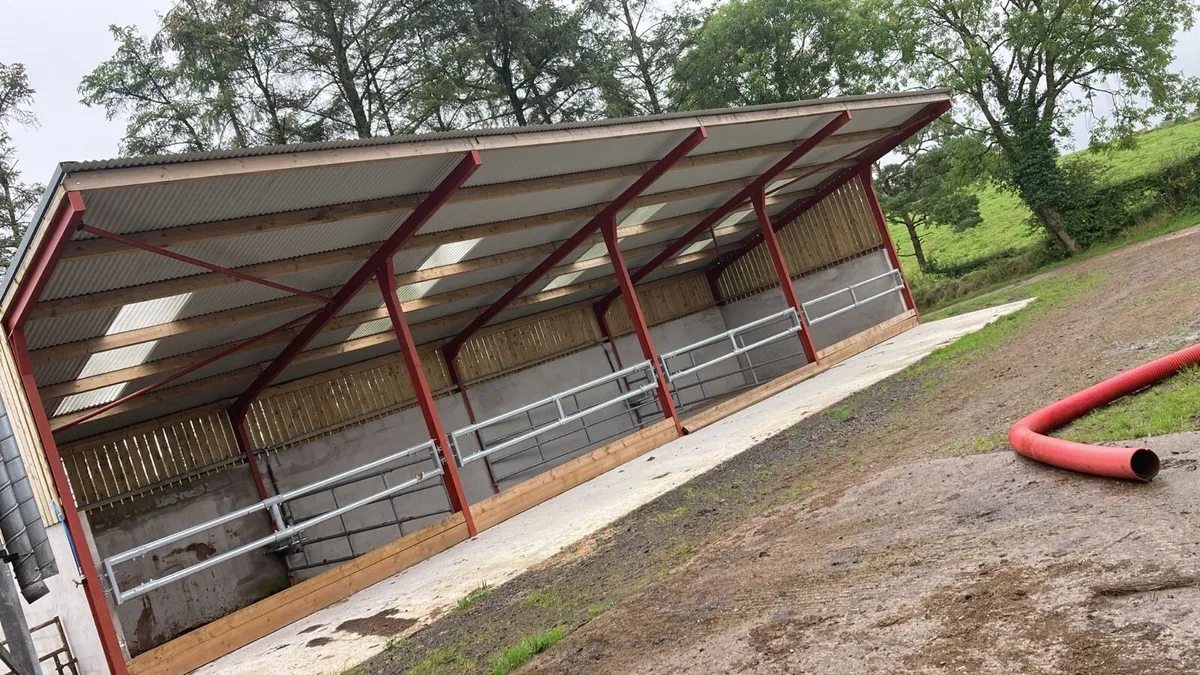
(524, 62)
(750, 52)
(17, 198)
(648, 42)
(166, 112)
(928, 186)
(1030, 66)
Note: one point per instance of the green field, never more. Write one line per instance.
(1003, 227)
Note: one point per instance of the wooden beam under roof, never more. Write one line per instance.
(288, 303)
(234, 227)
(188, 389)
(190, 284)
(352, 320)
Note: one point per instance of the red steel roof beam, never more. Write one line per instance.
(150, 248)
(451, 348)
(45, 258)
(864, 176)
(728, 207)
(867, 157)
(419, 216)
(782, 275)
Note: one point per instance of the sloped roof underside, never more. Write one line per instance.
(108, 311)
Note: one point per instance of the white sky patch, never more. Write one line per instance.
(370, 328)
(640, 215)
(448, 254)
(695, 246)
(129, 317)
(594, 251)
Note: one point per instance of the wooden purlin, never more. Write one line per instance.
(836, 229)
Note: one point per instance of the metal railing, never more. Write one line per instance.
(284, 531)
(300, 545)
(732, 336)
(561, 418)
(855, 301)
(567, 442)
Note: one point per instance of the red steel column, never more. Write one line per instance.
(781, 272)
(386, 277)
(46, 257)
(609, 229)
(865, 177)
(109, 642)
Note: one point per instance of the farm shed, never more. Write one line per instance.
(254, 381)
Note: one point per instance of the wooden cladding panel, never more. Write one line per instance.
(526, 341)
(29, 443)
(837, 228)
(663, 301)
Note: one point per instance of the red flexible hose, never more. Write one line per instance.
(1028, 437)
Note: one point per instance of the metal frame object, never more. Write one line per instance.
(855, 301)
(562, 418)
(732, 335)
(270, 505)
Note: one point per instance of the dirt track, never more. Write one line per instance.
(897, 533)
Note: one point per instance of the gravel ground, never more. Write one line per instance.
(896, 532)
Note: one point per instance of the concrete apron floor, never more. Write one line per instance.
(315, 645)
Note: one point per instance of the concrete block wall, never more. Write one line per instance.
(168, 612)
(174, 609)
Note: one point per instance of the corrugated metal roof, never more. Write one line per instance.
(190, 211)
(123, 162)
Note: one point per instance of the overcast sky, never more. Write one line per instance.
(60, 41)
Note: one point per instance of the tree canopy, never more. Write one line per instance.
(17, 198)
(751, 52)
(1028, 67)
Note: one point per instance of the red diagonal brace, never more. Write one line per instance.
(867, 157)
(235, 347)
(755, 187)
(609, 212)
(150, 248)
(634, 309)
(386, 250)
(416, 374)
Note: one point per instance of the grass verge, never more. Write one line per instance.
(468, 601)
(1172, 406)
(515, 656)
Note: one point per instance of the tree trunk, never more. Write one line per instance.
(918, 252)
(643, 66)
(1053, 222)
(345, 74)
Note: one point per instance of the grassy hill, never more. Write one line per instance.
(1003, 227)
